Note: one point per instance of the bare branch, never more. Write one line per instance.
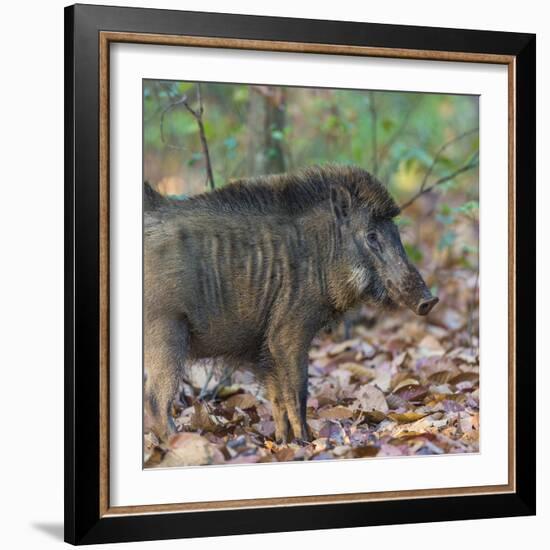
(197, 115)
(199, 97)
(162, 115)
(474, 161)
(440, 152)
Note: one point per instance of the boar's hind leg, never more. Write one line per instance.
(166, 342)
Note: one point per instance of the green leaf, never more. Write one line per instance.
(183, 87)
(446, 162)
(413, 252)
(446, 210)
(388, 124)
(209, 129)
(469, 207)
(402, 221)
(469, 249)
(447, 186)
(231, 142)
(179, 123)
(277, 135)
(195, 157)
(447, 240)
(240, 94)
(445, 220)
(419, 155)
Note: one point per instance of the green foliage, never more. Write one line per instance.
(447, 240)
(195, 157)
(445, 215)
(469, 208)
(253, 130)
(402, 221)
(414, 253)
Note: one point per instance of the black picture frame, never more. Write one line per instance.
(84, 523)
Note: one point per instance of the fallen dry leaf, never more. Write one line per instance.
(360, 371)
(407, 417)
(336, 413)
(412, 392)
(202, 420)
(441, 377)
(190, 449)
(346, 345)
(366, 451)
(431, 346)
(370, 398)
(465, 377)
(391, 390)
(227, 391)
(241, 400)
(406, 382)
(425, 425)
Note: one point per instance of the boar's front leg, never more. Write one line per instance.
(280, 416)
(287, 386)
(166, 342)
(295, 399)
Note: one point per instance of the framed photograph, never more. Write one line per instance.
(300, 274)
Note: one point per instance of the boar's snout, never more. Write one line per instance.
(425, 306)
(416, 294)
(411, 290)
(401, 279)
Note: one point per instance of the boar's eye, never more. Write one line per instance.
(372, 241)
(372, 238)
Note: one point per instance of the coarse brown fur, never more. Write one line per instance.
(252, 271)
(289, 193)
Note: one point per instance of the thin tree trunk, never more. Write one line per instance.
(266, 123)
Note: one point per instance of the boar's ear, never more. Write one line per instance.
(340, 202)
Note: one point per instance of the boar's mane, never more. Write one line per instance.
(296, 192)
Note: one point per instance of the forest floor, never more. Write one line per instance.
(400, 386)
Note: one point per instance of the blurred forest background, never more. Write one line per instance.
(380, 384)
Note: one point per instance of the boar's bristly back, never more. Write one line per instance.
(296, 192)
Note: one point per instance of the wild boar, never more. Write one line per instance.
(252, 271)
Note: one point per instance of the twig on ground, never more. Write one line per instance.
(204, 390)
(227, 373)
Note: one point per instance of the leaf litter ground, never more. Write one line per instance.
(400, 386)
